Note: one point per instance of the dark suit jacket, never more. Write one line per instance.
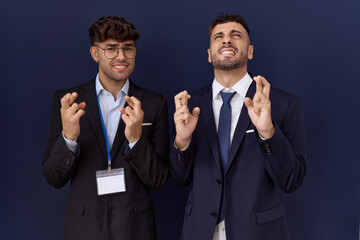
(126, 215)
(253, 210)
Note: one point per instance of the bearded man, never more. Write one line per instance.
(239, 148)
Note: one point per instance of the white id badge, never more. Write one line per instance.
(110, 182)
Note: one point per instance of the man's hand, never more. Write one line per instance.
(133, 117)
(71, 113)
(259, 108)
(185, 122)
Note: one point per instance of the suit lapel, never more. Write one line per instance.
(88, 94)
(241, 127)
(120, 133)
(207, 116)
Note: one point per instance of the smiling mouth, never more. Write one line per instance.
(120, 66)
(228, 52)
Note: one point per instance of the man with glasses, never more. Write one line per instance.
(110, 138)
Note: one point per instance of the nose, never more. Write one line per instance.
(121, 54)
(227, 40)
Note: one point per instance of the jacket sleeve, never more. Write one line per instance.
(149, 156)
(285, 152)
(59, 162)
(182, 162)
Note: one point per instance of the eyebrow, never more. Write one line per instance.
(111, 44)
(219, 33)
(129, 44)
(117, 44)
(231, 32)
(236, 31)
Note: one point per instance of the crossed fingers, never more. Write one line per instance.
(181, 99)
(69, 106)
(133, 109)
(182, 113)
(71, 113)
(261, 97)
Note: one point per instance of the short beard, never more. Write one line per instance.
(227, 65)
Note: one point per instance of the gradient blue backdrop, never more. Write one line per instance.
(309, 48)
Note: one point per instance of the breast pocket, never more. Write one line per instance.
(147, 128)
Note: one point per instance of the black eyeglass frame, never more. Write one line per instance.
(117, 51)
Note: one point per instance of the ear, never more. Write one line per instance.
(94, 53)
(209, 55)
(251, 52)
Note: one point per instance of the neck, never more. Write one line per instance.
(229, 78)
(112, 86)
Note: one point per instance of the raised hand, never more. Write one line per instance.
(259, 108)
(185, 122)
(71, 113)
(133, 117)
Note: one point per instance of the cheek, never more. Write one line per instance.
(132, 63)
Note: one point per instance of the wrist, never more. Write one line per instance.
(267, 133)
(69, 136)
(181, 143)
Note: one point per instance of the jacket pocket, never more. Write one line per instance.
(143, 204)
(75, 206)
(270, 215)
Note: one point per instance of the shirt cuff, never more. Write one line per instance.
(261, 137)
(71, 145)
(131, 145)
(183, 149)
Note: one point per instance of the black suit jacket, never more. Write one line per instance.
(255, 169)
(126, 215)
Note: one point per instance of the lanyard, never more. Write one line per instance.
(105, 133)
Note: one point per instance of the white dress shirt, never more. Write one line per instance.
(237, 101)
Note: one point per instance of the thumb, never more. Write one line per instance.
(196, 112)
(248, 102)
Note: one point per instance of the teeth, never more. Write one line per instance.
(228, 52)
(120, 67)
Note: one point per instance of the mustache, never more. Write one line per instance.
(228, 46)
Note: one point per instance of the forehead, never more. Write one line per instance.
(228, 27)
(115, 42)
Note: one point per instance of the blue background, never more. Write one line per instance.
(309, 48)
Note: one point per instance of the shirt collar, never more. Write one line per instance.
(241, 87)
(100, 88)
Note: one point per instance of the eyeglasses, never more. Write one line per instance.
(112, 52)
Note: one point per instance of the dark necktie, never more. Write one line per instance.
(224, 139)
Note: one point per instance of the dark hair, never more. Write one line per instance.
(228, 17)
(112, 27)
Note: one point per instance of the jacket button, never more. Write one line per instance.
(218, 181)
(68, 161)
(214, 214)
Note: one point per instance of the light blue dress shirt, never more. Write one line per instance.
(110, 110)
